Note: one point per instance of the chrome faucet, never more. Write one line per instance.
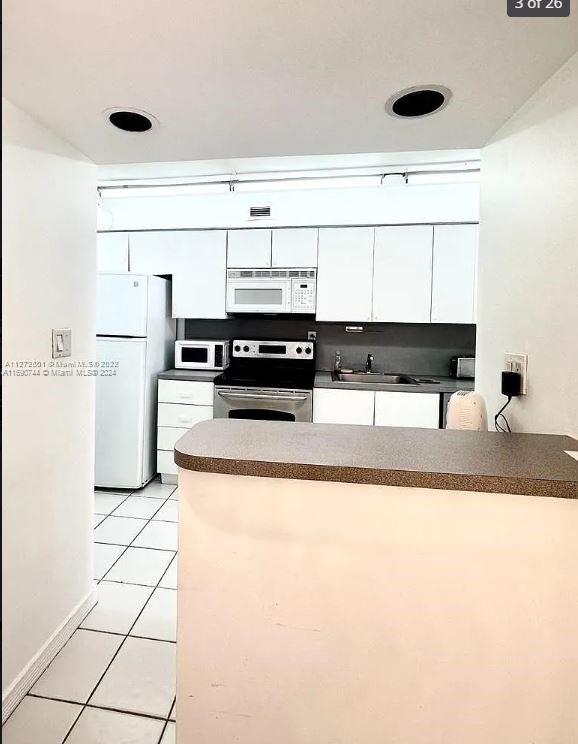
(337, 363)
(368, 363)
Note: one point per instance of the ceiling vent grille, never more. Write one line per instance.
(259, 211)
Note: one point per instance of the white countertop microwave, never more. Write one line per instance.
(271, 291)
(203, 354)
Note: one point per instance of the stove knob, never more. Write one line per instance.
(299, 350)
(237, 348)
(245, 348)
(308, 350)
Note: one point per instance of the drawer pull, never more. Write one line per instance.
(183, 420)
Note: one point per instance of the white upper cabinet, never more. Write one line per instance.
(454, 273)
(344, 277)
(199, 283)
(249, 249)
(197, 261)
(112, 253)
(294, 247)
(407, 409)
(402, 274)
(157, 253)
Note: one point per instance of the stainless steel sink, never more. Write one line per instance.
(373, 377)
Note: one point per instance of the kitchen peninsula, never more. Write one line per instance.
(371, 584)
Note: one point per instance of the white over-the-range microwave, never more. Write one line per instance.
(202, 354)
(271, 291)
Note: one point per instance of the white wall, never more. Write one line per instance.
(528, 257)
(48, 281)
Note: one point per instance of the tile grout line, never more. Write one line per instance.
(150, 716)
(118, 545)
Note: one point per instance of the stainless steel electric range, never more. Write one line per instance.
(267, 380)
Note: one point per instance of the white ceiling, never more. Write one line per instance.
(248, 78)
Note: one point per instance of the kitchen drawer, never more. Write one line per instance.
(168, 435)
(186, 391)
(180, 416)
(166, 463)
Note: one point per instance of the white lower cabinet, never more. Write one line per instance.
(182, 404)
(407, 409)
(167, 466)
(168, 436)
(331, 406)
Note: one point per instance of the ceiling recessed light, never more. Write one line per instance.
(421, 100)
(130, 120)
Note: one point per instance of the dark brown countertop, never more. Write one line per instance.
(528, 464)
(191, 375)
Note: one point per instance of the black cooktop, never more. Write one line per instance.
(273, 377)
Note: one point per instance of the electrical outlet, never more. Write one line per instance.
(518, 363)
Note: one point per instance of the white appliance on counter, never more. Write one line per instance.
(271, 291)
(467, 410)
(135, 341)
(202, 354)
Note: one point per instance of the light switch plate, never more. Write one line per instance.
(61, 342)
(518, 363)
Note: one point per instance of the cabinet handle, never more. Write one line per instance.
(183, 420)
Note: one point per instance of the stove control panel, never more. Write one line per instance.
(273, 349)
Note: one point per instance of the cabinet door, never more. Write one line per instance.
(196, 259)
(344, 276)
(199, 279)
(156, 253)
(407, 409)
(294, 247)
(332, 406)
(249, 249)
(402, 272)
(111, 253)
(454, 273)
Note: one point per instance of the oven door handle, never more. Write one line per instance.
(256, 396)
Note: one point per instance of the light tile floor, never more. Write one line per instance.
(114, 681)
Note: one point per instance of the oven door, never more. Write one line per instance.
(259, 296)
(262, 404)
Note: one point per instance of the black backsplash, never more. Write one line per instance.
(421, 349)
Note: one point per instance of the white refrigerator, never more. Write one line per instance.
(135, 341)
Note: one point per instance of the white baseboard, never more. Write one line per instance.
(28, 676)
